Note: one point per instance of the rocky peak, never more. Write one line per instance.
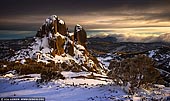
(53, 24)
(54, 43)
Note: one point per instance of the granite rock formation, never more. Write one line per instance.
(53, 42)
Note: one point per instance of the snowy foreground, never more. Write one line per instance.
(76, 87)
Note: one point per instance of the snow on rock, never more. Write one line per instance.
(80, 47)
(53, 17)
(152, 53)
(159, 86)
(61, 21)
(78, 28)
(4, 66)
(10, 75)
(23, 61)
(71, 34)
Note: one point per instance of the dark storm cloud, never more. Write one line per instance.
(22, 7)
(29, 14)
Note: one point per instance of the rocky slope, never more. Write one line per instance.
(54, 43)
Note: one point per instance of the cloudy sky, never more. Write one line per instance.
(120, 16)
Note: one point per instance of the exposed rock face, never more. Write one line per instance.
(70, 48)
(54, 28)
(52, 25)
(62, 27)
(59, 45)
(54, 43)
(80, 35)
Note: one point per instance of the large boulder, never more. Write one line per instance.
(80, 35)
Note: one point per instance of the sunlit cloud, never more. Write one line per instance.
(145, 38)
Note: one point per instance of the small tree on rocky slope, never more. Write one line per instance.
(138, 71)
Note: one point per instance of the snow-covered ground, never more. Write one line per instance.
(105, 60)
(76, 87)
(70, 89)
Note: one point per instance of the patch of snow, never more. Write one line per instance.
(71, 34)
(50, 35)
(53, 17)
(159, 86)
(105, 60)
(78, 25)
(151, 53)
(90, 63)
(61, 22)
(80, 47)
(137, 98)
(10, 75)
(48, 21)
(44, 43)
(4, 66)
(78, 28)
(12, 72)
(22, 61)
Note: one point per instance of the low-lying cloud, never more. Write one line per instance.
(145, 38)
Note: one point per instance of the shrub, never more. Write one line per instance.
(49, 75)
(138, 71)
(48, 71)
